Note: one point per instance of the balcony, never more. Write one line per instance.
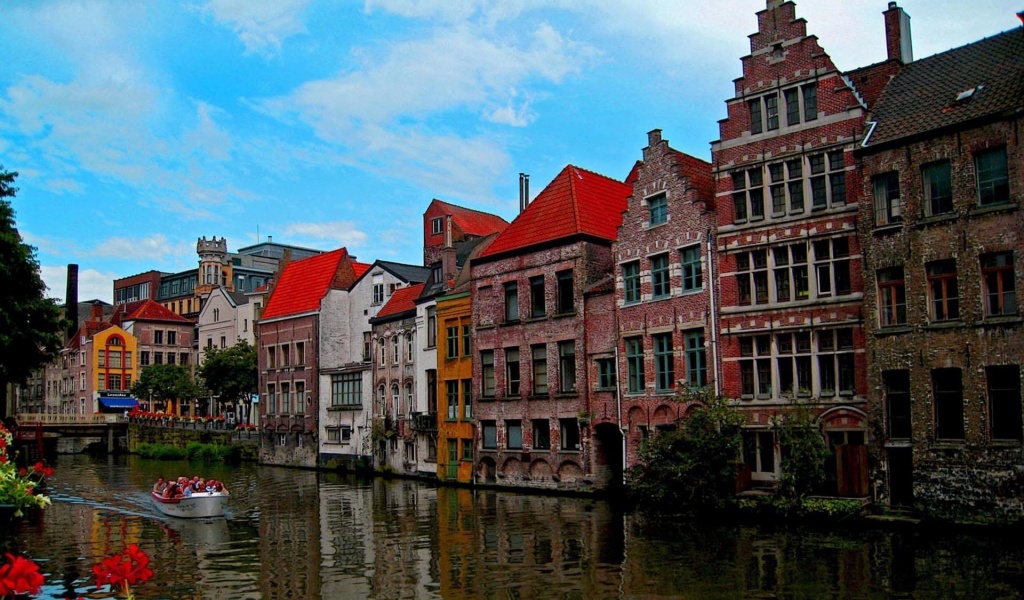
(423, 422)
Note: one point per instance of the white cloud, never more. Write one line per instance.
(261, 25)
(92, 284)
(154, 247)
(337, 233)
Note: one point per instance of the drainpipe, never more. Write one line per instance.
(714, 314)
(618, 389)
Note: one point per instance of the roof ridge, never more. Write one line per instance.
(574, 197)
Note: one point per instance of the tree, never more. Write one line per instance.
(31, 327)
(165, 382)
(692, 469)
(804, 452)
(230, 374)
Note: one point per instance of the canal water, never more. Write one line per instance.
(300, 534)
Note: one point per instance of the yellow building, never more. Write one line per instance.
(455, 424)
(115, 369)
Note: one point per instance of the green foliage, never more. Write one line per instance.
(31, 327)
(212, 452)
(804, 452)
(693, 468)
(166, 382)
(776, 507)
(834, 508)
(161, 452)
(230, 373)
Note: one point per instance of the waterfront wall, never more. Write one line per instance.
(248, 442)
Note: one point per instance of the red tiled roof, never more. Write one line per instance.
(303, 284)
(144, 310)
(576, 202)
(88, 329)
(360, 268)
(401, 301)
(473, 222)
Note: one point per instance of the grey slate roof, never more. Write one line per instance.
(405, 272)
(923, 96)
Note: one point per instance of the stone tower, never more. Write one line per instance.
(212, 265)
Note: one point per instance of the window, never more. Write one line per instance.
(451, 396)
(437, 225)
(999, 285)
(170, 358)
(570, 430)
(514, 434)
(938, 193)
(771, 109)
(692, 275)
(793, 351)
(756, 366)
(182, 358)
(366, 346)
(837, 177)
(467, 341)
(541, 434)
(396, 349)
(381, 351)
(113, 381)
(286, 355)
(537, 308)
(128, 359)
(566, 297)
(696, 359)
(567, 366)
(158, 337)
(158, 358)
(1004, 402)
(102, 359)
(467, 399)
(452, 341)
(487, 372)
(631, 282)
(756, 123)
(657, 209)
(286, 397)
(382, 400)
(511, 372)
(886, 190)
(409, 347)
(748, 194)
(431, 327)
(892, 297)
(346, 389)
(992, 175)
(333, 435)
(172, 338)
(271, 357)
(949, 404)
(272, 398)
(605, 373)
(832, 266)
(660, 281)
(752, 277)
(378, 289)
(540, 369)
(300, 354)
(346, 434)
(810, 101)
(790, 273)
(467, 449)
(792, 96)
(635, 365)
(942, 290)
(144, 358)
(489, 435)
(511, 301)
(759, 451)
(897, 400)
(835, 362)
(664, 376)
(432, 391)
(300, 397)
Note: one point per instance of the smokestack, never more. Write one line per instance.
(71, 300)
(897, 34)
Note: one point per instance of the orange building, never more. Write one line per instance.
(455, 425)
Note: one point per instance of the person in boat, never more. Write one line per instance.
(160, 485)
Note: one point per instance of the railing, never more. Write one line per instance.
(426, 422)
(25, 419)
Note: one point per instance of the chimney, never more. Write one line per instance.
(448, 231)
(96, 315)
(897, 34)
(524, 191)
(71, 300)
(270, 239)
(653, 137)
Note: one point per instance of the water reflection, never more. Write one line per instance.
(299, 534)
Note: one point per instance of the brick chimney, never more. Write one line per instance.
(897, 34)
(96, 314)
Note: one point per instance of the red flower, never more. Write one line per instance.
(19, 576)
(38, 467)
(3, 458)
(123, 570)
(22, 472)
(48, 472)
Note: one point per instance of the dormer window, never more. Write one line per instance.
(437, 225)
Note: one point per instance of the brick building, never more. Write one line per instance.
(532, 388)
(289, 337)
(663, 290)
(943, 238)
(162, 337)
(789, 258)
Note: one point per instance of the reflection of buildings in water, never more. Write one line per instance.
(346, 538)
(403, 556)
(289, 532)
(213, 579)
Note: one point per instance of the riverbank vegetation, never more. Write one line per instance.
(195, 451)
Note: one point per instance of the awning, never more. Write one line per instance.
(118, 402)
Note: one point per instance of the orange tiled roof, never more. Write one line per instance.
(473, 222)
(576, 202)
(144, 310)
(303, 284)
(401, 301)
(360, 268)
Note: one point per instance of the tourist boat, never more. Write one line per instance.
(199, 505)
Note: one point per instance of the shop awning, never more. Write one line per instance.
(120, 403)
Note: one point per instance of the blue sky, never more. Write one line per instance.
(138, 127)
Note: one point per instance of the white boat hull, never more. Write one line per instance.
(199, 505)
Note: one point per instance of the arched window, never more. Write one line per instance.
(382, 396)
(395, 398)
(408, 399)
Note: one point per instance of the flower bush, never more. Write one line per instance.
(19, 576)
(18, 486)
(123, 570)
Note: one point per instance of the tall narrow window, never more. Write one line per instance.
(431, 327)
(938, 193)
(660, 281)
(949, 404)
(487, 373)
(635, 365)
(451, 396)
(696, 359)
(514, 434)
(819, 190)
(999, 285)
(366, 345)
(755, 192)
(756, 122)
(539, 356)
(631, 282)
(886, 191)
(570, 430)
(467, 340)
(992, 176)
(452, 341)
(537, 308)
(897, 400)
(892, 297)
(771, 106)
(664, 370)
(792, 96)
(511, 301)
(467, 399)
(942, 290)
(692, 274)
(657, 209)
(1004, 402)
(489, 435)
(810, 102)
(541, 434)
(739, 196)
(511, 372)
(566, 296)
(795, 185)
(567, 366)
(605, 373)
